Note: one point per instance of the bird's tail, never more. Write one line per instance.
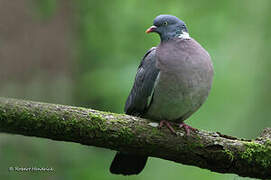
(128, 164)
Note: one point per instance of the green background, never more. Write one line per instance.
(85, 53)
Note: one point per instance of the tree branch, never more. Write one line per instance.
(209, 150)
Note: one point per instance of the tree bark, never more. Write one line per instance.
(208, 150)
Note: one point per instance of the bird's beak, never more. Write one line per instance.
(151, 29)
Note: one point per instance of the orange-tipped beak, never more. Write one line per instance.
(151, 29)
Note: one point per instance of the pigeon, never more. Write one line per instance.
(172, 81)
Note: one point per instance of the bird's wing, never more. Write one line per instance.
(141, 93)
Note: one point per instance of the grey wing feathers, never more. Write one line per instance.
(137, 101)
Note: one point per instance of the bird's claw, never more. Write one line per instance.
(163, 122)
(187, 128)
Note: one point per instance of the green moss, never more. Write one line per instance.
(258, 153)
(229, 154)
(118, 120)
(126, 134)
(98, 122)
(201, 145)
(194, 145)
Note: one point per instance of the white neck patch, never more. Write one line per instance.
(184, 35)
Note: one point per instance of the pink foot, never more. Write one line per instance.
(187, 128)
(168, 126)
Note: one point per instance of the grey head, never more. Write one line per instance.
(168, 27)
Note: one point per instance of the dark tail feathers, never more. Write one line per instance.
(128, 164)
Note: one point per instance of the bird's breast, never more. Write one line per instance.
(183, 83)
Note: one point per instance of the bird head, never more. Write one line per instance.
(168, 27)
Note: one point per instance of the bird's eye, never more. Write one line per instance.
(165, 23)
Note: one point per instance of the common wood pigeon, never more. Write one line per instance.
(173, 80)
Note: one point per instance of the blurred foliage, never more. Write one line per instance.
(44, 9)
(108, 42)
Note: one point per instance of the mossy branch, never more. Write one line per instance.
(209, 150)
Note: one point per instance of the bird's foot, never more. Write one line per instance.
(187, 128)
(163, 122)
